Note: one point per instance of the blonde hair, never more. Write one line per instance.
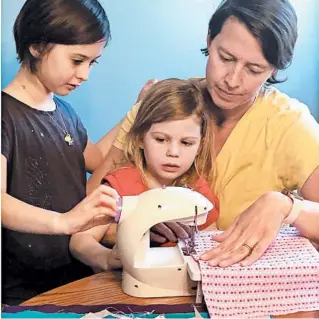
(170, 100)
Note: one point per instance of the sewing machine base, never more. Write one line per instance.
(159, 271)
(172, 275)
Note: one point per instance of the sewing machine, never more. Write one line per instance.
(160, 271)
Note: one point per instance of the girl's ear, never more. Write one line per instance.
(38, 50)
(35, 50)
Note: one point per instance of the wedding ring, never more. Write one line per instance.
(247, 246)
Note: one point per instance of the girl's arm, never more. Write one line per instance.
(85, 246)
(97, 209)
(115, 156)
(95, 153)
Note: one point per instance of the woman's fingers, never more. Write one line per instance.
(257, 251)
(229, 243)
(225, 234)
(240, 252)
(238, 255)
(145, 88)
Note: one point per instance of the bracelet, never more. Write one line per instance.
(297, 202)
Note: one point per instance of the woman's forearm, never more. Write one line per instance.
(308, 221)
(22, 217)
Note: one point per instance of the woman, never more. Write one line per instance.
(264, 141)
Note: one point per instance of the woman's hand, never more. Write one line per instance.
(251, 233)
(98, 208)
(145, 88)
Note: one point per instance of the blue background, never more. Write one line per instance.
(160, 39)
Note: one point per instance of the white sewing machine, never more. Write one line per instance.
(159, 271)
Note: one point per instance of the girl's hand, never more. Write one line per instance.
(169, 231)
(98, 208)
(114, 260)
(251, 233)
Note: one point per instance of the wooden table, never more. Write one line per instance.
(105, 288)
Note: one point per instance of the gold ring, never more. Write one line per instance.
(247, 246)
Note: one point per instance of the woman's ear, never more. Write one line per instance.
(208, 41)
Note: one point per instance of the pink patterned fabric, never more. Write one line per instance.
(285, 280)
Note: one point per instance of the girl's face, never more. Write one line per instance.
(236, 67)
(170, 149)
(65, 67)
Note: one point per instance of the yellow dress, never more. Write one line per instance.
(275, 145)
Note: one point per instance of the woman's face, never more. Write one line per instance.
(236, 67)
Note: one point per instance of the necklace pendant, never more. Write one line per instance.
(68, 139)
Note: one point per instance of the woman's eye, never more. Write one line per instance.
(254, 72)
(186, 143)
(160, 140)
(225, 59)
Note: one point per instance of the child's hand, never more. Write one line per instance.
(169, 231)
(114, 261)
(99, 208)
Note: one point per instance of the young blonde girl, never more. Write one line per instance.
(168, 145)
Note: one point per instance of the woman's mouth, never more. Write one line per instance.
(226, 95)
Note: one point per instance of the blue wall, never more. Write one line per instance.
(160, 39)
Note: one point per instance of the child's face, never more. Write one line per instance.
(170, 149)
(65, 67)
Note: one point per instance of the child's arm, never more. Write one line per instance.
(96, 209)
(109, 238)
(85, 246)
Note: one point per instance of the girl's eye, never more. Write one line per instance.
(77, 62)
(186, 143)
(160, 140)
(94, 61)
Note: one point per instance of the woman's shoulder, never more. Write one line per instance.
(281, 104)
(284, 114)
